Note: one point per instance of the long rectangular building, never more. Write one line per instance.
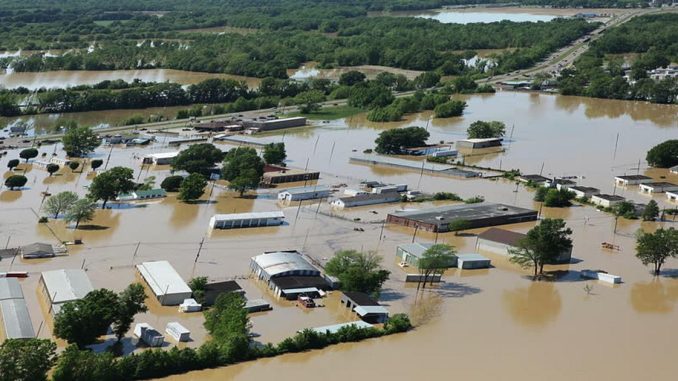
(246, 220)
(475, 215)
(63, 286)
(167, 285)
(16, 321)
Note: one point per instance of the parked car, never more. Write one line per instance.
(305, 301)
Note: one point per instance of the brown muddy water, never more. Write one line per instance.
(519, 329)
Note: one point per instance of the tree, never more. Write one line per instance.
(458, 225)
(350, 78)
(109, 184)
(426, 80)
(228, 324)
(52, 168)
(540, 194)
(80, 141)
(82, 321)
(96, 163)
(75, 365)
(26, 359)
(171, 183)
(558, 198)
(435, 260)
(543, 244)
(73, 165)
(625, 209)
(393, 141)
(663, 155)
(148, 184)
(198, 285)
(192, 187)
(449, 109)
(28, 153)
(12, 164)
(15, 181)
(309, 101)
(358, 271)
(274, 153)
(198, 158)
(483, 130)
(59, 203)
(243, 169)
(656, 247)
(651, 211)
(80, 211)
(130, 302)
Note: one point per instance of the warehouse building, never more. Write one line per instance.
(288, 274)
(164, 158)
(410, 253)
(627, 180)
(62, 286)
(16, 321)
(165, 283)
(262, 125)
(304, 193)
(606, 200)
(584, 192)
(534, 179)
(658, 187)
(475, 215)
(479, 143)
(279, 175)
(500, 241)
(368, 309)
(366, 199)
(246, 220)
(139, 195)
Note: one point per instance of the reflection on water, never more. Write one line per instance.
(654, 297)
(535, 305)
(457, 17)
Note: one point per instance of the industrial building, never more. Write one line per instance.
(138, 195)
(165, 283)
(279, 175)
(368, 309)
(606, 200)
(658, 187)
(479, 143)
(246, 220)
(627, 180)
(472, 261)
(366, 199)
(164, 158)
(214, 289)
(410, 253)
(419, 166)
(288, 273)
(16, 321)
(584, 192)
(475, 215)
(262, 125)
(500, 241)
(304, 193)
(62, 286)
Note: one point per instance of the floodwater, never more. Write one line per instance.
(497, 316)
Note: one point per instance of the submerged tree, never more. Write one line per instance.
(243, 169)
(651, 211)
(274, 153)
(59, 203)
(80, 141)
(358, 271)
(655, 248)
(28, 153)
(26, 359)
(52, 168)
(542, 244)
(15, 181)
(110, 184)
(80, 211)
(131, 301)
(435, 260)
(192, 187)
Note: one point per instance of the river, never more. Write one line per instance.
(478, 325)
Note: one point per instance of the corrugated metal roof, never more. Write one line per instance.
(471, 257)
(365, 310)
(309, 189)
(417, 249)
(10, 289)
(162, 278)
(247, 216)
(66, 285)
(16, 320)
(163, 155)
(334, 328)
(279, 262)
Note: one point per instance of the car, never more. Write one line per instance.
(305, 301)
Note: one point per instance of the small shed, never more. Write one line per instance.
(257, 305)
(472, 261)
(672, 196)
(177, 331)
(658, 187)
(149, 335)
(368, 309)
(37, 250)
(584, 192)
(606, 200)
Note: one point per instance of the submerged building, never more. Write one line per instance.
(16, 322)
(62, 286)
(288, 274)
(246, 220)
(167, 285)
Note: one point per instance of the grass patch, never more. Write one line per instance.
(330, 113)
(109, 22)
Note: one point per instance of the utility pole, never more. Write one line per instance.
(109, 157)
(136, 250)
(197, 255)
(614, 155)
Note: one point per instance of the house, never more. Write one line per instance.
(274, 174)
(214, 289)
(62, 286)
(246, 220)
(672, 196)
(366, 199)
(658, 187)
(16, 321)
(584, 192)
(627, 180)
(472, 261)
(37, 250)
(500, 241)
(606, 200)
(304, 193)
(479, 143)
(535, 179)
(288, 273)
(142, 195)
(164, 158)
(368, 309)
(410, 253)
(165, 283)
(475, 215)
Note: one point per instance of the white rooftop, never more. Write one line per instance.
(365, 310)
(334, 328)
(480, 140)
(10, 289)
(247, 216)
(279, 262)
(163, 155)
(162, 278)
(66, 285)
(309, 189)
(16, 320)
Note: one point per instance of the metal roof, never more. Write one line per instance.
(16, 320)
(162, 278)
(163, 155)
(417, 249)
(37, 249)
(470, 212)
(309, 189)
(506, 237)
(367, 310)
(66, 285)
(247, 216)
(279, 262)
(334, 328)
(10, 289)
(633, 177)
(471, 257)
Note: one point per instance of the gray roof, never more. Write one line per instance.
(633, 177)
(10, 289)
(390, 196)
(66, 285)
(336, 327)
(469, 212)
(279, 262)
(37, 249)
(417, 249)
(309, 189)
(162, 278)
(609, 197)
(471, 257)
(16, 320)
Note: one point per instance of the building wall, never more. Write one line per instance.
(247, 223)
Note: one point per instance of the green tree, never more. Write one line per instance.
(198, 158)
(393, 141)
(542, 245)
(28, 153)
(625, 209)
(358, 271)
(82, 321)
(80, 141)
(59, 203)
(351, 78)
(96, 163)
(26, 359)
(110, 184)
(77, 365)
(274, 153)
(171, 183)
(458, 225)
(198, 285)
(558, 198)
(482, 130)
(131, 301)
(540, 194)
(15, 181)
(12, 164)
(655, 248)
(449, 109)
(243, 169)
(427, 80)
(52, 168)
(192, 187)
(663, 155)
(651, 211)
(148, 184)
(80, 211)
(435, 260)
(73, 165)
(228, 325)
(309, 101)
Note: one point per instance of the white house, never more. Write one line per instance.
(606, 200)
(365, 199)
(658, 187)
(627, 180)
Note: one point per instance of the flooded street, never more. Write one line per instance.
(497, 316)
